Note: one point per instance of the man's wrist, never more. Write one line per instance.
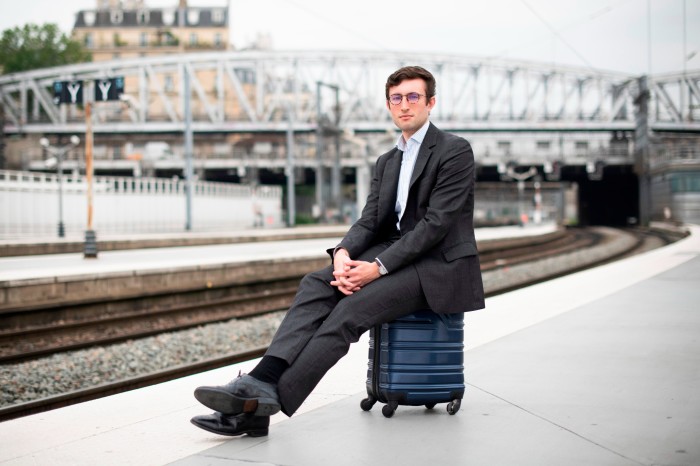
(382, 270)
(338, 249)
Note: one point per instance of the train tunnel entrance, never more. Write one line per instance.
(611, 200)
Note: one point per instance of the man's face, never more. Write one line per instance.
(410, 117)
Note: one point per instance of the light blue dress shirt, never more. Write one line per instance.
(410, 150)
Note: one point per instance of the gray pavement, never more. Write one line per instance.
(615, 381)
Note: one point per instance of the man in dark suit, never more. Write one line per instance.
(412, 248)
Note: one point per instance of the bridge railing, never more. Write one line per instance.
(29, 205)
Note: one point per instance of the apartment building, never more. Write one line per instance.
(119, 29)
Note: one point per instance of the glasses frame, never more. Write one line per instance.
(407, 99)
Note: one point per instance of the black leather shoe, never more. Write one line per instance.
(254, 426)
(244, 394)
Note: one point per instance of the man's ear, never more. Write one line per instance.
(431, 102)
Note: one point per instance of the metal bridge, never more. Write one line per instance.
(244, 92)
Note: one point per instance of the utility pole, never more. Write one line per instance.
(90, 251)
(2, 134)
(335, 168)
(291, 200)
(642, 149)
(320, 202)
(188, 152)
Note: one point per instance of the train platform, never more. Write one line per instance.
(601, 367)
(10, 247)
(242, 246)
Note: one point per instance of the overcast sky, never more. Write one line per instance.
(603, 34)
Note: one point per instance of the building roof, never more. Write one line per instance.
(204, 17)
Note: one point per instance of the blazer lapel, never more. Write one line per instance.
(389, 185)
(426, 150)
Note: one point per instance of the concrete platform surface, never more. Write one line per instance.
(73, 264)
(601, 367)
(615, 381)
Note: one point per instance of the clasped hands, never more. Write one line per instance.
(351, 275)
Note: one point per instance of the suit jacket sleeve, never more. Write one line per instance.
(364, 231)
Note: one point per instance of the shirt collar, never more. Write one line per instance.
(417, 137)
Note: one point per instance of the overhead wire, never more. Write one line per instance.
(577, 23)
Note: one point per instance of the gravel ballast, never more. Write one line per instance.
(76, 370)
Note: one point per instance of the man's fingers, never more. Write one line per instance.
(341, 278)
(344, 290)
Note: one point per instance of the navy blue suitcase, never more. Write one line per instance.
(416, 360)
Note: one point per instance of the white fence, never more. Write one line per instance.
(29, 205)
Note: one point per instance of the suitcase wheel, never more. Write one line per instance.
(430, 405)
(367, 403)
(453, 406)
(389, 409)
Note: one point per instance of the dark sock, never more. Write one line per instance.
(269, 369)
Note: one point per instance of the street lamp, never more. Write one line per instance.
(57, 158)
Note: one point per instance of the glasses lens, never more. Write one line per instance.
(413, 97)
(395, 99)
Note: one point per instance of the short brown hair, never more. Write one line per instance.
(412, 72)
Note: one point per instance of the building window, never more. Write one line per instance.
(170, 39)
(192, 16)
(142, 17)
(685, 182)
(217, 39)
(217, 16)
(117, 40)
(503, 145)
(168, 84)
(193, 38)
(89, 17)
(543, 145)
(143, 39)
(168, 17)
(116, 16)
(581, 145)
(89, 41)
(116, 55)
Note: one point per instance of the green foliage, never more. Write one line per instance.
(33, 46)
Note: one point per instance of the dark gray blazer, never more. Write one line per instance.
(437, 228)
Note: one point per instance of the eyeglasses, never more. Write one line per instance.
(411, 98)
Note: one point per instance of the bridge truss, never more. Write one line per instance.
(244, 92)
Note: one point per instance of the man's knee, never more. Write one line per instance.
(346, 320)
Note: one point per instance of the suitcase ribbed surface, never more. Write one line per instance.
(420, 359)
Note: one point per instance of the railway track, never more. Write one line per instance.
(49, 329)
(41, 337)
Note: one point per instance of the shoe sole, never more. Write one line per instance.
(230, 404)
(251, 432)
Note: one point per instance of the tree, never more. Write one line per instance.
(33, 46)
